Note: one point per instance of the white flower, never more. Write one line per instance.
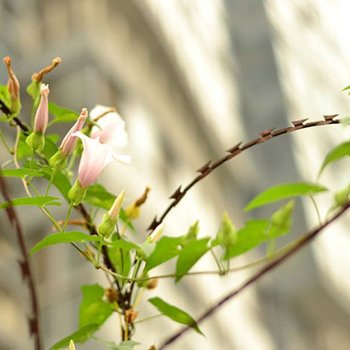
(110, 128)
(96, 156)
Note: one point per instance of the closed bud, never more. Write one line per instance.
(106, 226)
(77, 193)
(115, 209)
(71, 345)
(155, 235)
(36, 141)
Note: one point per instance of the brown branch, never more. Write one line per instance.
(24, 127)
(34, 326)
(307, 238)
(207, 168)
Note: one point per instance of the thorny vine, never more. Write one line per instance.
(234, 151)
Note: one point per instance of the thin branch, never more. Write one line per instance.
(24, 127)
(24, 265)
(307, 238)
(207, 168)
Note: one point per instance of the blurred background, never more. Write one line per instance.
(193, 78)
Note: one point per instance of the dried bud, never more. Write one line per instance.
(112, 295)
(133, 211)
(152, 283)
(40, 75)
(130, 315)
(13, 87)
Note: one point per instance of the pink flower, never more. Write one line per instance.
(96, 156)
(68, 143)
(110, 127)
(42, 113)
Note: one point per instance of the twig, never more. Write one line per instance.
(207, 168)
(307, 238)
(34, 326)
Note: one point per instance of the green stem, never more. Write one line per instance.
(54, 172)
(67, 216)
(2, 138)
(316, 209)
(221, 270)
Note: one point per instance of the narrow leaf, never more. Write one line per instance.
(189, 255)
(63, 237)
(31, 201)
(337, 153)
(20, 172)
(279, 192)
(80, 336)
(174, 313)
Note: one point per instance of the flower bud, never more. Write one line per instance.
(36, 141)
(69, 142)
(110, 219)
(155, 235)
(42, 113)
(71, 345)
(106, 226)
(77, 193)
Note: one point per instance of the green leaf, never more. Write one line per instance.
(346, 88)
(23, 150)
(337, 153)
(60, 181)
(50, 147)
(124, 345)
(279, 192)
(33, 90)
(61, 114)
(166, 249)
(20, 172)
(281, 220)
(63, 237)
(174, 313)
(30, 201)
(227, 234)
(248, 237)
(93, 307)
(80, 336)
(5, 95)
(119, 254)
(98, 196)
(189, 255)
